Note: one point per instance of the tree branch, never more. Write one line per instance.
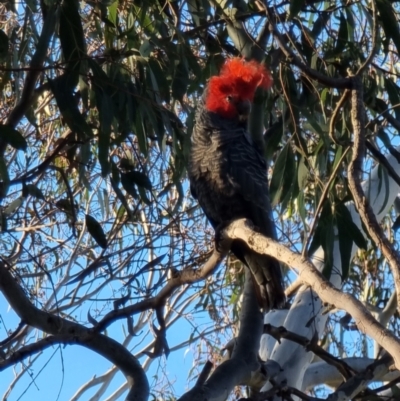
(244, 362)
(179, 278)
(375, 371)
(66, 332)
(280, 332)
(340, 83)
(243, 230)
(319, 373)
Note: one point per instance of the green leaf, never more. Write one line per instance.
(295, 7)
(292, 98)
(383, 179)
(140, 131)
(128, 184)
(324, 236)
(5, 183)
(3, 222)
(112, 12)
(327, 245)
(13, 137)
(350, 24)
(72, 39)
(301, 207)
(324, 219)
(198, 10)
(180, 81)
(345, 243)
(115, 173)
(342, 35)
(140, 179)
(348, 233)
(13, 206)
(283, 175)
(32, 190)
(121, 197)
(143, 196)
(389, 21)
(62, 88)
(272, 138)
(302, 174)
(321, 22)
(96, 231)
(105, 107)
(3, 45)
(393, 92)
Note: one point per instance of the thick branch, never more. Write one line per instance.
(244, 361)
(309, 275)
(320, 373)
(280, 333)
(352, 387)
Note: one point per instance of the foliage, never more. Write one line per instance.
(97, 107)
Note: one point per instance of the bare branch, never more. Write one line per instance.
(187, 276)
(67, 332)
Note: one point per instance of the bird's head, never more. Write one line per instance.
(231, 93)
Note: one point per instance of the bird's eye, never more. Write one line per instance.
(229, 98)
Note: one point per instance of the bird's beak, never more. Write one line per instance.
(243, 108)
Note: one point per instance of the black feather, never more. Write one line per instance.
(228, 176)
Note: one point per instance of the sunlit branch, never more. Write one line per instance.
(242, 229)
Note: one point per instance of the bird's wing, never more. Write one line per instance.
(247, 173)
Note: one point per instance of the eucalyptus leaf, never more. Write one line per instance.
(96, 231)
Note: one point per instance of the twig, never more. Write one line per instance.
(64, 331)
(342, 83)
(334, 116)
(374, 47)
(179, 278)
(244, 360)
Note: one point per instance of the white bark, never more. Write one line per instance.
(320, 373)
(305, 315)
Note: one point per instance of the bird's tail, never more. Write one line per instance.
(267, 275)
